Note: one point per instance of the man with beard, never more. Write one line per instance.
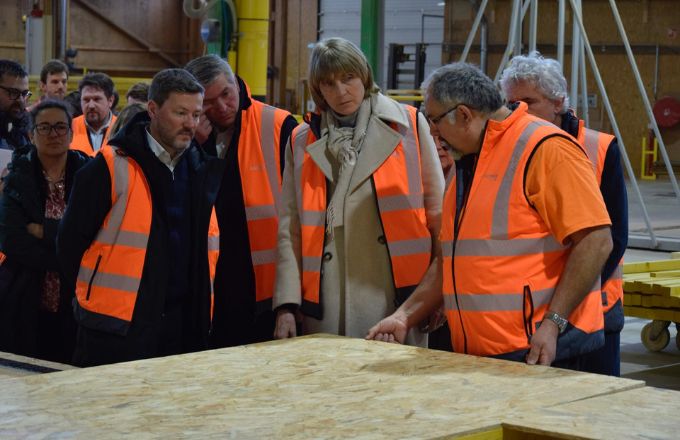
(53, 82)
(139, 239)
(90, 131)
(250, 136)
(14, 93)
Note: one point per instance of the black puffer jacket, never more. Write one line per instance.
(28, 258)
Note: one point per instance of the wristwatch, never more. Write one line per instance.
(559, 321)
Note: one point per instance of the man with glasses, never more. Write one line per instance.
(14, 94)
(520, 254)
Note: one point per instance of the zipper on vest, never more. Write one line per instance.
(528, 305)
(94, 272)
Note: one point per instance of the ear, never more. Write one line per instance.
(111, 98)
(464, 115)
(152, 108)
(43, 87)
(31, 135)
(558, 103)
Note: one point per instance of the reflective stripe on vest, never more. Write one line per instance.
(111, 268)
(213, 255)
(506, 262)
(399, 193)
(81, 139)
(596, 145)
(259, 165)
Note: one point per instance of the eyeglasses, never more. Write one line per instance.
(436, 119)
(14, 94)
(60, 129)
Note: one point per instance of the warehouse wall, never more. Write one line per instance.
(648, 24)
(402, 24)
(123, 37)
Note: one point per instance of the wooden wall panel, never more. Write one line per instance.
(290, 51)
(123, 38)
(12, 37)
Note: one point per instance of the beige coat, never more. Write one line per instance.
(357, 289)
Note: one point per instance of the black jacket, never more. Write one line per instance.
(238, 320)
(28, 258)
(155, 330)
(16, 138)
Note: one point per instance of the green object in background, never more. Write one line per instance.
(222, 13)
(370, 28)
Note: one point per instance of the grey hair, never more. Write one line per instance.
(209, 67)
(463, 83)
(544, 73)
(168, 81)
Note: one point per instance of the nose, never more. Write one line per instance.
(341, 87)
(191, 122)
(434, 129)
(222, 104)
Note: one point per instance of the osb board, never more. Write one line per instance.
(650, 413)
(12, 365)
(312, 387)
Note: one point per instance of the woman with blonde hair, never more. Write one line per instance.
(361, 203)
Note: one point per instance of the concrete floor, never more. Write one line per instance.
(659, 369)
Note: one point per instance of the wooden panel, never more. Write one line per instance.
(12, 365)
(109, 37)
(657, 314)
(12, 37)
(311, 387)
(650, 413)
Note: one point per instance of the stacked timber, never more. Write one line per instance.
(652, 291)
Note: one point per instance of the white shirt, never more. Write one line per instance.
(221, 144)
(97, 136)
(162, 154)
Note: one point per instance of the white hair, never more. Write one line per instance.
(544, 73)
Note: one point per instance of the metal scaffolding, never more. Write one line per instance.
(580, 48)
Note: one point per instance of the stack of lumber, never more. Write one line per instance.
(652, 290)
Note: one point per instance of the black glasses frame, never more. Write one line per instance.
(14, 94)
(436, 119)
(60, 129)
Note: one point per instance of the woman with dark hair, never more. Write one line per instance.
(35, 312)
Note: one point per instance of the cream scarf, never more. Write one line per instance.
(344, 144)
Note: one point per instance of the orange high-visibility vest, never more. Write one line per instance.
(596, 145)
(399, 190)
(259, 160)
(81, 139)
(111, 268)
(501, 268)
